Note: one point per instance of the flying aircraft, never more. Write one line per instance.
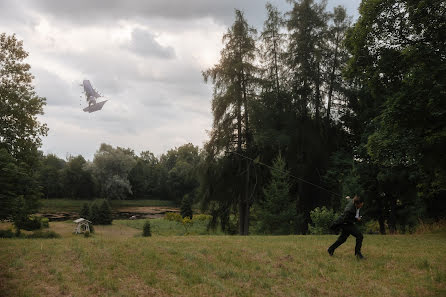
(92, 95)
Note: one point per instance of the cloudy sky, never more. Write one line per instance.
(145, 56)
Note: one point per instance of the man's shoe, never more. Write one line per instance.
(330, 252)
(359, 256)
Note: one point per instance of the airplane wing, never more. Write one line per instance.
(95, 107)
(89, 91)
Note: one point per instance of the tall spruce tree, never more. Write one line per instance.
(307, 25)
(234, 85)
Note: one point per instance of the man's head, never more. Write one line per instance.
(358, 201)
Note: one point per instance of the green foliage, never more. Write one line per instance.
(186, 207)
(146, 230)
(87, 234)
(173, 217)
(77, 179)
(187, 223)
(6, 233)
(111, 166)
(45, 222)
(105, 214)
(85, 211)
(322, 218)
(234, 83)
(20, 130)
(277, 210)
(98, 215)
(43, 234)
(94, 214)
(398, 72)
(202, 218)
(32, 223)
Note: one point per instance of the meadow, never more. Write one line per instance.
(118, 261)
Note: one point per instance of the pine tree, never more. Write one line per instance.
(94, 214)
(186, 207)
(234, 90)
(277, 210)
(146, 230)
(85, 211)
(105, 214)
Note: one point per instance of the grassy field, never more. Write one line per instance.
(67, 205)
(117, 261)
(163, 227)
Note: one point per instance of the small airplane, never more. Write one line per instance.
(92, 95)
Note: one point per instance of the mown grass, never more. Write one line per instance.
(168, 228)
(68, 205)
(117, 262)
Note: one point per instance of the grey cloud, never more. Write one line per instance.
(222, 11)
(55, 90)
(144, 43)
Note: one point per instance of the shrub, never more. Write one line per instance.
(186, 207)
(85, 212)
(146, 229)
(202, 218)
(173, 217)
(6, 233)
(94, 214)
(45, 222)
(105, 214)
(31, 223)
(86, 234)
(187, 223)
(322, 218)
(42, 234)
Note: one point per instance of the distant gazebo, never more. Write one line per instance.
(82, 226)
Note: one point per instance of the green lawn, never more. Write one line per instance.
(117, 261)
(68, 205)
(168, 228)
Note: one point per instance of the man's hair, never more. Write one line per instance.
(357, 200)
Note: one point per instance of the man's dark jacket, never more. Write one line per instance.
(347, 217)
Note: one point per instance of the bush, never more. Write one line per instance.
(6, 233)
(146, 229)
(105, 214)
(322, 218)
(202, 218)
(43, 234)
(173, 217)
(85, 212)
(86, 234)
(45, 222)
(186, 207)
(32, 223)
(91, 228)
(94, 214)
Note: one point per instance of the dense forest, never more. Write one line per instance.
(305, 112)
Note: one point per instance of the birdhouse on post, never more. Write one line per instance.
(82, 226)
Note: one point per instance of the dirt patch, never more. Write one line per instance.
(135, 212)
(142, 212)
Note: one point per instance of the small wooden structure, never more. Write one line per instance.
(82, 226)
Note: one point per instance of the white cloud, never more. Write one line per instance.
(146, 57)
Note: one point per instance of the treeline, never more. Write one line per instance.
(119, 173)
(307, 111)
(343, 109)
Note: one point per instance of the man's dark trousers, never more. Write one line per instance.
(348, 229)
